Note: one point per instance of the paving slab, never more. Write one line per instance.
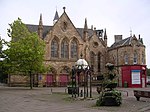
(56, 99)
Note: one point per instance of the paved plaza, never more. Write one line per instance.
(56, 99)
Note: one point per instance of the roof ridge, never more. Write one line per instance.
(125, 40)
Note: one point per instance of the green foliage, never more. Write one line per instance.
(109, 95)
(110, 98)
(26, 51)
(18, 30)
(3, 74)
(148, 71)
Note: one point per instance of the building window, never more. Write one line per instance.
(135, 58)
(92, 60)
(143, 58)
(126, 59)
(114, 60)
(74, 49)
(99, 62)
(54, 48)
(64, 49)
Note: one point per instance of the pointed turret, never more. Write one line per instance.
(85, 31)
(40, 27)
(56, 17)
(105, 37)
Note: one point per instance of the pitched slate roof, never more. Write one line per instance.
(34, 28)
(125, 42)
(81, 30)
(46, 29)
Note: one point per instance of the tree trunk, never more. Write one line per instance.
(31, 80)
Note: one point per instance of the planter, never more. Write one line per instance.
(112, 98)
(110, 101)
(73, 90)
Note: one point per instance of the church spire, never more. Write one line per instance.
(56, 17)
(85, 30)
(40, 27)
(105, 37)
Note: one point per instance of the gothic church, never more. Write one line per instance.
(65, 43)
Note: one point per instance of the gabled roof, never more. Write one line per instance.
(46, 29)
(34, 28)
(81, 30)
(125, 42)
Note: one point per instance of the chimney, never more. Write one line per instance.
(139, 37)
(118, 38)
(91, 27)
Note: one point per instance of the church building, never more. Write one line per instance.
(65, 43)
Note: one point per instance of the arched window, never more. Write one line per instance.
(74, 52)
(135, 58)
(92, 55)
(126, 59)
(99, 62)
(54, 48)
(64, 49)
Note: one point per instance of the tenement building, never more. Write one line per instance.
(65, 43)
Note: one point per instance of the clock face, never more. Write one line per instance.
(95, 44)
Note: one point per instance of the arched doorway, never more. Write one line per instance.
(50, 78)
(64, 76)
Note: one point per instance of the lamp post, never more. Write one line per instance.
(82, 66)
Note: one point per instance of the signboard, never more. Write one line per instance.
(136, 77)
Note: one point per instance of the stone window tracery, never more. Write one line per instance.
(64, 49)
(74, 47)
(54, 48)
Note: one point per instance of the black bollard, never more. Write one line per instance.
(81, 93)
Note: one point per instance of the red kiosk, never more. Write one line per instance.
(134, 76)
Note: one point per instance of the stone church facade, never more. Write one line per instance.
(65, 43)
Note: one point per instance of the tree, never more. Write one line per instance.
(25, 53)
(148, 71)
(3, 75)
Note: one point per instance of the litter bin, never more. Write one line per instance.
(125, 84)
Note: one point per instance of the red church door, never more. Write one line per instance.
(49, 80)
(63, 79)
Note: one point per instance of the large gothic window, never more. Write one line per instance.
(135, 58)
(54, 48)
(64, 49)
(74, 48)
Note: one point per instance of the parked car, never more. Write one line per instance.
(148, 83)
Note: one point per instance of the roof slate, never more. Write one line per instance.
(46, 29)
(124, 42)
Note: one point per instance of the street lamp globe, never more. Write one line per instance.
(82, 64)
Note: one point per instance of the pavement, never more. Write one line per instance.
(56, 99)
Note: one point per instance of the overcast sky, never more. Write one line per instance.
(117, 16)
